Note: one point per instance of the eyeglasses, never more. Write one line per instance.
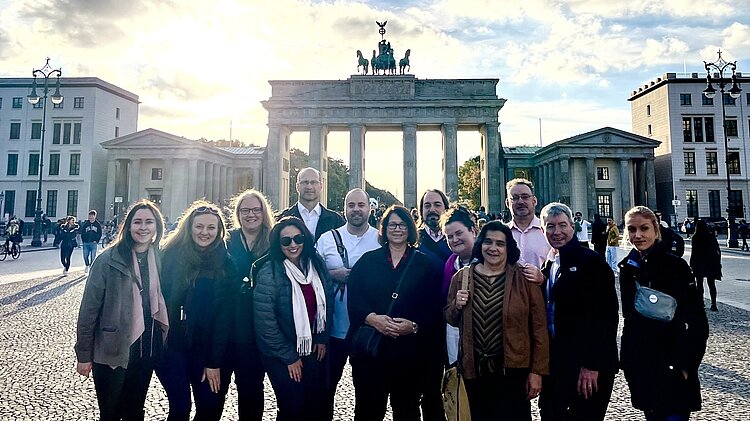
(207, 209)
(298, 240)
(309, 182)
(524, 197)
(248, 211)
(393, 226)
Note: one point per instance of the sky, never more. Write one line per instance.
(565, 67)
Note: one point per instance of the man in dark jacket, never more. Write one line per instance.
(308, 208)
(599, 235)
(582, 318)
(91, 232)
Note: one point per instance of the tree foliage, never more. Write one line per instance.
(469, 180)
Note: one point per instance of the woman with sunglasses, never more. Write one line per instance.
(248, 240)
(195, 281)
(293, 309)
(122, 322)
(409, 331)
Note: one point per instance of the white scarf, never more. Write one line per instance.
(299, 308)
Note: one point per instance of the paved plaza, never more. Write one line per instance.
(38, 308)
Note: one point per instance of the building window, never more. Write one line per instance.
(62, 131)
(157, 173)
(728, 100)
(36, 131)
(60, 105)
(707, 100)
(34, 164)
(709, 129)
(649, 130)
(604, 205)
(712, 163)
(648, 110)
(75, 164)
(66, 133)
(54, 164)
(691, 199)
(1, 103)
(56, 134)
(698, 129)
(747, 99)
(730, 127)
(10, 202)
(686, 99)
(78, 102)
(689, 162)
(602, 173)
(156, 198)
(734, 162)
(714, 203)
(30, 203)
(51, 203)
(17, 102)
(72, 202)
(117, 113)
(735, 201)
(76, 133)
(38, 105)
(687, 131)
(12, 164)
(117, 131)
(15, 131)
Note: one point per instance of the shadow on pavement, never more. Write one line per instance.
(28, 291)
(45, 296)
(724, 380)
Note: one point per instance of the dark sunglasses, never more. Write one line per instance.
(207, 209)
(298, 240)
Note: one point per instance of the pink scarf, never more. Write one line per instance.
(156, 299)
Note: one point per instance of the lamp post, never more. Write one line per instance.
(46, 72)
(719, 66)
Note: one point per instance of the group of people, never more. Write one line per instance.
(522, 309)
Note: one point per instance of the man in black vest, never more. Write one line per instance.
(308, 208)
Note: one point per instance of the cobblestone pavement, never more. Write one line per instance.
(38, 379)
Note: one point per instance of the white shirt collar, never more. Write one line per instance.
(303, 210)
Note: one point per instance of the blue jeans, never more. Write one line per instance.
(89, 252)
(612, 258)
(655, 416)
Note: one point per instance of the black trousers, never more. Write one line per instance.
(375, 379)
(711, 288)
(499, 398)
(65, 252)
(121, 393)
(338, 352)
(432, 381)
(298, 401)
(243, 359)
(178, 371)
(560, 400)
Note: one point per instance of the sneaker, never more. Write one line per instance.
(86, 270)
(714, 308)
(65, 271)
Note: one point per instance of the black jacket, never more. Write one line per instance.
(671, 242)
(705, 257)
(586, 311)
(240, 290)
(328, 219)
(599, 233)
(68, 235)
(91, 232)
(371, 283)
(653, 353)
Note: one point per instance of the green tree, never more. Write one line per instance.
(469, 179)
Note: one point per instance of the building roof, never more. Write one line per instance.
(73, 82)
(252, 150)
(679, 78)
(513, 150)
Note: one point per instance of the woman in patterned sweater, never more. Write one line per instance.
(503, 328)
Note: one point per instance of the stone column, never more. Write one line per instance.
(410, 165)
(491, 169)
(231, 185)
(319, 157)
(564, 179)
(625, 193)
(109, 198)
(591, 186)
(223, 185)
(192, 180)
(556, 181)
(276, 179)
(134, 175)
(650, 183)
(450, 160)
(166, 191)
(547, 178)
(357, 156)
(216, 197)
(208, 180)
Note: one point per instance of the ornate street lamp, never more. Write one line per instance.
(719, 66)
(46, 72)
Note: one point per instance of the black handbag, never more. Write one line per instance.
(366, 339)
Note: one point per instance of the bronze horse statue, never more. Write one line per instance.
(363, 63)
(404, 62)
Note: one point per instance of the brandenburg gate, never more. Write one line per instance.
(365, 103)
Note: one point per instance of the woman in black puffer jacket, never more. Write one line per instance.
(705, 260)
(660, 359)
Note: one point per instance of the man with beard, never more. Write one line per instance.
(308, 208)
(341, 248)
(524, 224)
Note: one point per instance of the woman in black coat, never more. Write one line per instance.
(705, 260)
(410, 332)
(660, 359)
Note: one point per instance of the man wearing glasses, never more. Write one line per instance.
(524, 224)
(308, 208)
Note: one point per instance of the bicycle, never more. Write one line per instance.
(12, 248)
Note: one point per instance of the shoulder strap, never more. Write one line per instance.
(340, 247)
(465, 279)
(394, 296)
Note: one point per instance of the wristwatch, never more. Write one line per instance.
(414, 327)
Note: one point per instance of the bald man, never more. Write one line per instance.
(308, 208)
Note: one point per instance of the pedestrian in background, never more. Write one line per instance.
(195, 282)
(122, 321)
(599, 235)
(705, 260)
(46, 225)
(252, 220)
(744, 233)
(582, 229)
(293, 310)
(660, 358)
(613, 242)
(68, 233)
(91, 232)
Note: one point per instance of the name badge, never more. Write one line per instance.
(573, 269)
